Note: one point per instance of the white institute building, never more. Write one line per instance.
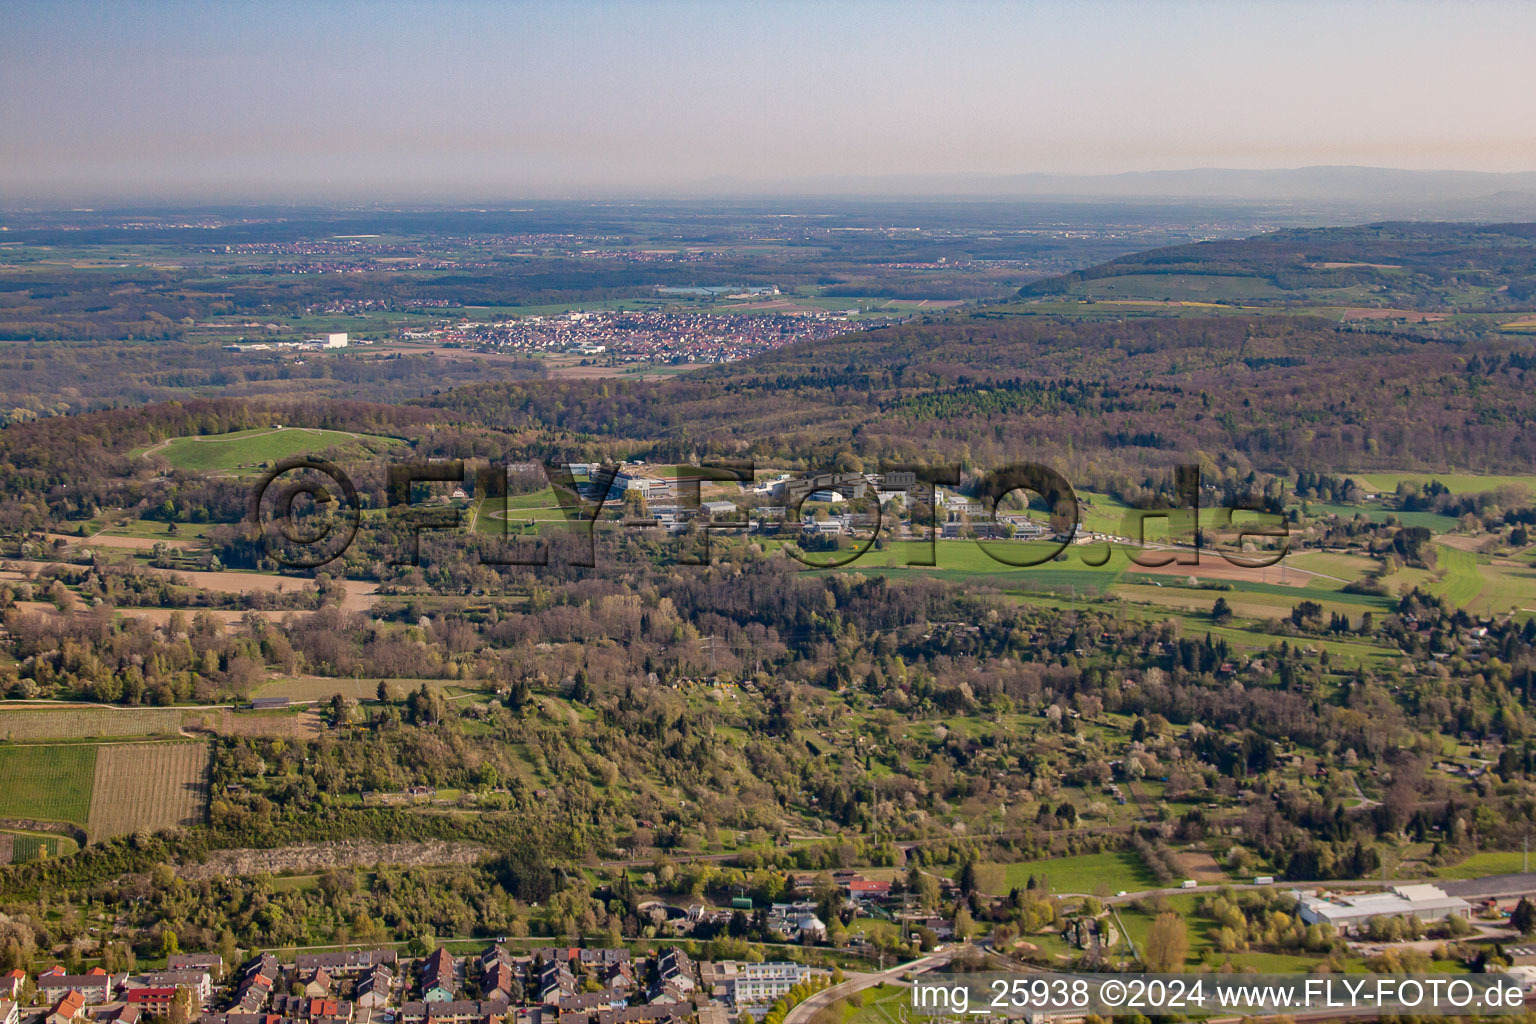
(1350, 913)
(754, 984)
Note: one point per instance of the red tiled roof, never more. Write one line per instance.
(71, 1005)
(149, 995)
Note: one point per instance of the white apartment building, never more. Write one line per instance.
(747, 984)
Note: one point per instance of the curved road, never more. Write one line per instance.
(803, 1012)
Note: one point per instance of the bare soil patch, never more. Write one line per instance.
(1200, 866)
(1464, 543)
(281, 724)
(316, 857)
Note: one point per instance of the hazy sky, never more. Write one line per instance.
(205, 100)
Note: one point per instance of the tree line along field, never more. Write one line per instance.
(107, 789)
(242, 448)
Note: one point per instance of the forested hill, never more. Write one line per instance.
(1270, 392)
(1409, 265)
(1121, 386)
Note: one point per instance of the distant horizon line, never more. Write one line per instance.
(1320, 182)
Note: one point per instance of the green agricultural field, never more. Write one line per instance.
(1459, 483)
(1478, 583)
(1178, 287)
(1248, 600)
(154, 529)
(1348, 653)
(69, 723)
(1101, 513)
(245, 448)
(1432, 521)
(1344, 567)
(1489, 862)
(1085, 873)
(1507, 587)
(18, 847)
(49, 783)
(964, 560)
(1462, 582)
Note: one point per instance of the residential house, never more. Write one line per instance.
(9, 1014)
(656, 1014)
(326, 1011)
(674, 977)
(118, 1013)
(460, 1011)
(862, 889)
(210, 962)
(620, 977)
(500, 981)
(257, 976)
(344, 965)
(558, 954)
(439, 983)
(253, 993)
(585, 1002)
(494, 954)
(11, 984)
(152, 1001)
(373, 991)
(555, 980)
(67, 1009)
(195, 979)
(318, 984)
(236, 1017)
(95, 986)
(309, 1008)
(602, 956)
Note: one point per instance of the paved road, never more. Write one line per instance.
(803, 1012)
